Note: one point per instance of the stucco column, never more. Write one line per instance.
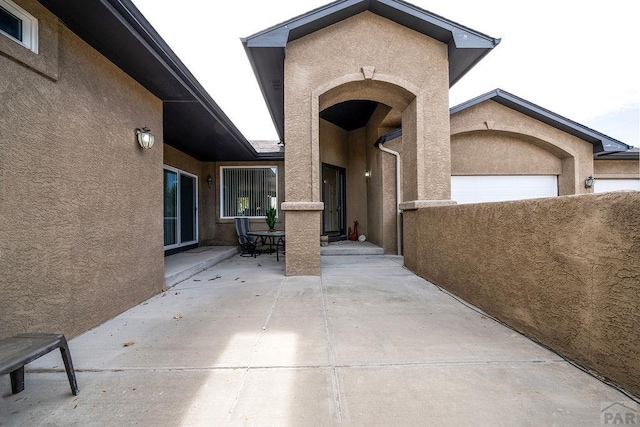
(302, 230)
(426, 153)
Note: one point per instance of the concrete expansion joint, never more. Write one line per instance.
(335, 381)
(256, 347)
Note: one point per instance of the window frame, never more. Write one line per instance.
(29, 26)
(221, 193)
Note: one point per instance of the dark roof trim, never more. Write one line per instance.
(119, 31)
(600, 141)
(633, 154)
(390, 136)
(266, 49)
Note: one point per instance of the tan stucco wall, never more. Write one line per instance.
(381, 187)
(565, 271)
(621, 169)
(521, 142)
(406, 70)
(357, 182)
(80, 201)
(494, 153)
(334, 146)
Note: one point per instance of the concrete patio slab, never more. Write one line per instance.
(242, 344)
(347, 247)
(183, 265)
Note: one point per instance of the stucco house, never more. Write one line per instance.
(391, 67)
(88, 215)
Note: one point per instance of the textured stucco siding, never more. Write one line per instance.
(80, 201)
(616, 169)
(334, 146)
(492, 153)
(565, 271)
(357, 182)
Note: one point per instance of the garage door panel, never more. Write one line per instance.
(602, 185)
(485, 188)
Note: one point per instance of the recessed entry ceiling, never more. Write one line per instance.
(350, 115)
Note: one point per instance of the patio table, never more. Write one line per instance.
(273, 237)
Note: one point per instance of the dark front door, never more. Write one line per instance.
(334, 216)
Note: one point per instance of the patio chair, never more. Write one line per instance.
(247, 245)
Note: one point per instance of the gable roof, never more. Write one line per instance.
(193, 122)
(266, 49)
(600, 141)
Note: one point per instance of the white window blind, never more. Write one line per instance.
(248, 191)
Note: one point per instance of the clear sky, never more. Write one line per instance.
(579, 59)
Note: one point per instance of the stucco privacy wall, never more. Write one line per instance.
(489, 138)
(80, 201)
(565, 271)
(410, 73)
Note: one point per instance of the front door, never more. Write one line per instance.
(334, 216)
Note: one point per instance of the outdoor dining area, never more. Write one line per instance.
(253, 243)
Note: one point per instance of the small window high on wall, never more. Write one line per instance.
(248, 190)
(17, 24)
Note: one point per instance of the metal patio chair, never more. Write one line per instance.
(247, 245)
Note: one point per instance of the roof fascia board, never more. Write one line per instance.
(464, 37)
(278, 37)
(298, 21)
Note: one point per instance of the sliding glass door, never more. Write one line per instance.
(180, 208)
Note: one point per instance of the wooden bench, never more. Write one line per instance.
(15, 352)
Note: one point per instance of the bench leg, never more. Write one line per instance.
(71, 374)
(17, 380)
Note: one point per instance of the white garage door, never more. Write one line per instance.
(478, 189)
(604, 185)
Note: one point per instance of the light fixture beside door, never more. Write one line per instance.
(145, 138)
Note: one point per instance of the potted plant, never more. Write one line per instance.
(271, 218)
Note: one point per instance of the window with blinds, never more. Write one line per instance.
(248, 191)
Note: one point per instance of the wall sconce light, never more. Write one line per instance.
(209, 180)
(145, 138)
(367, 174)
(588, 183)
